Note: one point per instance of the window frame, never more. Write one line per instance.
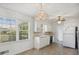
(28, 23)
(6, 19)
(17, 31)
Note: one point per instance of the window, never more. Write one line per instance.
(7, 30)
(23, 31)
(45, 28)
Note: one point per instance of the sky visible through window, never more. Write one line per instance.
(7, 21)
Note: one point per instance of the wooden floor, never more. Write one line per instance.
(53, 49)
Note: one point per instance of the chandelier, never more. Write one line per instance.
(41, 15)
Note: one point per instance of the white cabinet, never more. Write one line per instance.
(69, 33)
(69, 40)
(41, 42)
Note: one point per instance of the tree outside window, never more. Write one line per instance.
(7, 30)
(23, 31)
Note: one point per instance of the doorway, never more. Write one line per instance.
(51, 39)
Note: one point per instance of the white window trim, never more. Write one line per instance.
(17, 31)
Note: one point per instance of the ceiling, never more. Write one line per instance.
(52, 9)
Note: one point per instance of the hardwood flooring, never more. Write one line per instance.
(53, 49)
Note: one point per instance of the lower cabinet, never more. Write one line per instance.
(41, 42)
(69, 40)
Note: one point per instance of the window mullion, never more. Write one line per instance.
(17, 30)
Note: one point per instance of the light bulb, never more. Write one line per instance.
(59, 22)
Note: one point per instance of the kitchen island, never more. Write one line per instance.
(41, 41)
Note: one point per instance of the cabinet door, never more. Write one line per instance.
(44, 41)
(69, 40)
(37, 43)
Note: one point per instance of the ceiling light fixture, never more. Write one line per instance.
(41, 15)
(60, 19)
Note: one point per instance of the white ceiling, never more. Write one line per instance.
(52, 9)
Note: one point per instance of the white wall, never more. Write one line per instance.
(15, 47)
(60, 32)
(67, 27)
(66, 32)
(55, 32)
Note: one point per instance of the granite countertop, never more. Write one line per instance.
(42, 34)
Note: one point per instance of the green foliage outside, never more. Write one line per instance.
(6, 36)
(10, 34)
(23, 32)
